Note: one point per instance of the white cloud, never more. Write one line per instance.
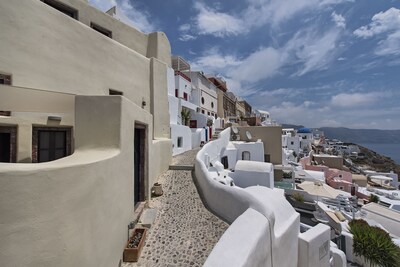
(127, 13)
(259, 65)
(314, 50)
(346, 100)
(387, 26)
(382, 22)
(184, 27)
(210, 21)
(339, 20)
(389, 46)
(187, 37)
(214, 61)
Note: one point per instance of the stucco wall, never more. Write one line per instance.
(271, 136)
(51, 51)
(149, 45)
(74, 211)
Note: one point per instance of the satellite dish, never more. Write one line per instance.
(248, 135)
(235, 130)
(234, 133)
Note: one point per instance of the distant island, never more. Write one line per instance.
(358, 136)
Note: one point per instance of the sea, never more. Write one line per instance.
(389, 150)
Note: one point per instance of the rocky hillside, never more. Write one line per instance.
(377, 162)
(363, 136)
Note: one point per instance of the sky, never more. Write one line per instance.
(318, 63)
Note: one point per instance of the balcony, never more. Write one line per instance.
(184, 76)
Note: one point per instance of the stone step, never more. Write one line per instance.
(181, 167)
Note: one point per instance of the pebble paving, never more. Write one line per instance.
(184, 231)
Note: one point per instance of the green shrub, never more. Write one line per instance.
(374, 198)
(374, 245)
(298, 197)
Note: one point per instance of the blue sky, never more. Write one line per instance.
(311, 62)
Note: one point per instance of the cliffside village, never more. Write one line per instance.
(94, 112)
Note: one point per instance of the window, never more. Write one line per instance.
(176, 92)
(202, 100)
(212, 104)
(180, 141)
(5, 79)
(208, 113)
(50, 143)
(114, 92)
(185, 96)
(5, 113)
(292, 143)
(67, 10)
(101, 30)
(202, 111)
(225, 162)
(267, 158)
(245, 155)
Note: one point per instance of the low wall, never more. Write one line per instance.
(230, 250)
(314, 246)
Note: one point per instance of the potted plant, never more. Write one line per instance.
(373, 245)
(135, 245)
(185, 114)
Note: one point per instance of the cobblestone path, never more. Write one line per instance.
(184, 231)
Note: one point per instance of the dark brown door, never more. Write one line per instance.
(139, 164)
(5, 147)
(52, 145)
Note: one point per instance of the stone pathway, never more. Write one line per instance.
(184, 231)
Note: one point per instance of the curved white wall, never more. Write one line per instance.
(230, 202)
(231, 250)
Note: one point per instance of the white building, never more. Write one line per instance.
(204, 94)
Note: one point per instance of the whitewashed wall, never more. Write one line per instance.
(184, 132)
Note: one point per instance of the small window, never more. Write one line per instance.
(341, 187)
(115, 92)
(208, 113)
(176, 92)
(5, 79)
(202, 111)
(212, 104)
(245, 155)
(267, 158)
(202, 100)
(67, 10)
(180, 141)
(101, 30)
(5, 113)
(185, 96)
(292, 143)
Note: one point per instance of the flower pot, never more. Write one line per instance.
(135, 245)
(157, 189)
